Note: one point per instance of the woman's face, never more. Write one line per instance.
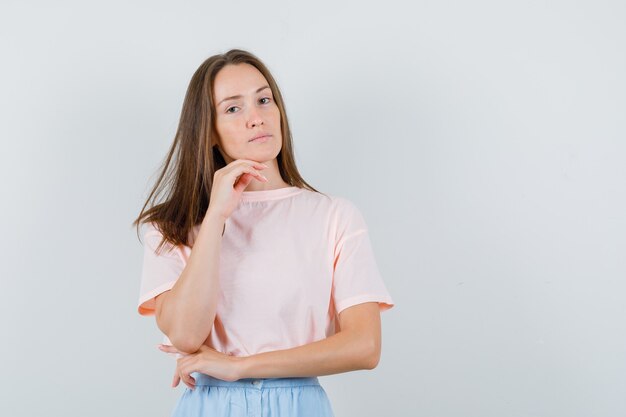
(252, 112)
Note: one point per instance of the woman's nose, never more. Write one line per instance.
(254, 118)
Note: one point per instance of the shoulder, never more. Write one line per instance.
(154, 240)
(338, 209)
(344, 208)
(332, 201)
(151, 228)
(344, 217)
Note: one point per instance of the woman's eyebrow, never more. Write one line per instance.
(239, 95)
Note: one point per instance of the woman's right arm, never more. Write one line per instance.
(194, 294)
(186, 312)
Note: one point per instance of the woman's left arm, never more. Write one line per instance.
(355, 345)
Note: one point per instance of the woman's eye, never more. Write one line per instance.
(228, 110)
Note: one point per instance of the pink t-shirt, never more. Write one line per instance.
(291, 259)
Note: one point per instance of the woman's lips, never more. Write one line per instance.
(261, 139)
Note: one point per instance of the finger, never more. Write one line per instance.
(176, 380)
(168, 348)
(237, 164)
(188, 380)
(184, 369)
(252, 171)
(250, 162)
(243, 181)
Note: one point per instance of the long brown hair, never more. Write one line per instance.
(186, 175)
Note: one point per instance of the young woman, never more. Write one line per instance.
(259, 282)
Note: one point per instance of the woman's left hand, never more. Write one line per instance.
(205, 360)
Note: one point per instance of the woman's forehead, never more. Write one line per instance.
(233, 81)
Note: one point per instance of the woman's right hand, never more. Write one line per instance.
(229, 182)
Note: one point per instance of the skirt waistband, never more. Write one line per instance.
(204, 379)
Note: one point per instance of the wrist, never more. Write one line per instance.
(242, 366)
(214, 217)
(215, 220)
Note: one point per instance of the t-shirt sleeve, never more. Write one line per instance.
(356, 277)
(160, 270)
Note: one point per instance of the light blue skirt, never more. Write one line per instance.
(254, 397)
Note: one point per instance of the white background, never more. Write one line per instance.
(484, 142)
